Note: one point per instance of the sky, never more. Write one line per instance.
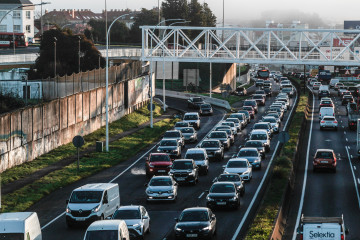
(236, 11)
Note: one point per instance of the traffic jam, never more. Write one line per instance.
(173, 166)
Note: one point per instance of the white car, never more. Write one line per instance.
(193, 118)
(237, 123)
(161, 188)
(316, 85)
(231, 125)
(329, 122)
(136, 218)
(240, 166)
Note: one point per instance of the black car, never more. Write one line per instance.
(195, 102)
(195, 223)
(268, 91)
(324, 93)
(347, 99)
(234, 178)
(205, 109)
(223, 194)
(214, 149)
(240, 91)
(260, 99)
(185, 171)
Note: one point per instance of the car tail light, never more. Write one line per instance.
(342, 237)
(333, 114)
(335, 121)
(322, 121)
(302, 237)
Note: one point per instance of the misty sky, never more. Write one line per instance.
(331, 11)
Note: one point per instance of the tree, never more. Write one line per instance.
(209, 19)
(67, 54)
(175, 9)
(145, 17)
(119, 31)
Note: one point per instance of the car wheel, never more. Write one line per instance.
(334, 170)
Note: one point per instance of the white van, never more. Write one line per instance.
(326, 111)
(107, 230)
(20, 225)
(92, 202)
(333, 82)
(324, 88)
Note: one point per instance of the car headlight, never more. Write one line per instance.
(257, 160)
(174, 151)
(150, 165)
(68, 210)
(359, 151)
(178, 229)
(206, 228)
(191, 173)
(226, 172)
(246, 172)
(233, 199)
(209, 198)
(192, 136)
(171, 173)
(170, 191)
(159, 150)
(96, 209)
(137, 226)
(149, 192)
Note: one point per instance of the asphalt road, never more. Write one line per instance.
(131, 180)
(330, 194)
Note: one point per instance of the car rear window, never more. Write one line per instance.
(326, 155)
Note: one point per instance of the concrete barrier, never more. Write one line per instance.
(181, 95)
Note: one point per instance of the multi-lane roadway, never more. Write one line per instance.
(130, 176)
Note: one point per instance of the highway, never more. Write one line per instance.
(328, 194)
(130, 176)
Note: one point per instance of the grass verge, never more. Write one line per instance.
(126, 123)
(120, 151)
(261, 228)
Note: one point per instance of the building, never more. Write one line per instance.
(20, 20)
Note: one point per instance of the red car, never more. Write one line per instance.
(324, 159)
(250, 110)
(158, 164)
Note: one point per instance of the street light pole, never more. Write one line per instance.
(107, 82)
(55, 39)
(79, 52)
(223, 21)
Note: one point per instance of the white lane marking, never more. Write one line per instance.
(352, 171)
(351, 156)
(262, 181)
(343, 127)
(306, 171)
(358, 180)
(127, 169)
(354, 167)
(344, 132)
(349, 147)
(202, 194)
(346, 139)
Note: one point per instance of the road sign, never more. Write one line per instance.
(78, 141)
(284, 137)
(149, 105)
(347, 72)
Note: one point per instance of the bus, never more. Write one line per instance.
(7, 39)
(263, 74)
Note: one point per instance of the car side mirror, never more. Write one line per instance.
(146, 159)
(176, 219)
(67, 201)
(145, 217)
(233, 156)
(347, 231)
(213, 217)
(105, 201)
(145, 185)
(224, 166)
(176, 184)
(207, 191)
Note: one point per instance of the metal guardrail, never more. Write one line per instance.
(119, 53)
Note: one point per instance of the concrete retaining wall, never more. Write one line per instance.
(30, 132)
(181, 95)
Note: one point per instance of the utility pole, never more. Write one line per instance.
(159, 19)
(304, 79)
(79, 54)
(41, 20)
(55, 39)
(223, 22)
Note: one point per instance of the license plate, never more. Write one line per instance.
(324, 161)
(80, 219)
(221, 203)
(211, 154)
(191, 235)
(180, 179)
(161, 171)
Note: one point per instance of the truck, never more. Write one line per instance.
(20, 226)
(321, 228)
(324, 76)
(352, 110)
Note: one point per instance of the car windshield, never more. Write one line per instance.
(231, 124)
(86, 196)
(217, 135)
(286, 90)
(326, 102)
(248, 153)
(171, 135)
(102, 235)
(205, 106)
(261, 126)
(159, 158)
(197, 100)
(236, 164)
(258, 137)
(238, 116)
(191, 117)
(329, 119)
(253, 144)
(187, 130)
(327, 155)
(270, 120)
(182, 165)
(249, 103)
(155, 182)
(194, 216)
(127, 214)
(181, 124)
(248, 108)
(164, 143)
(207, 144)
(244, 112)
(222, 188)
(195, 156)
(257, 97)
(229, 178)
(259, 92)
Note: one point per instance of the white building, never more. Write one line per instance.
(20, 20)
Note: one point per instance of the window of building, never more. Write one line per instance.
(28, 28)
(3, 28)
(28, 14)
(16, 28)
(16, 14)
(2, 14)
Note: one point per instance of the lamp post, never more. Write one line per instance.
(99, 55)
(107, 83)
(79, 53)
(55, 39)
(164, 105)
(13, 32)
(223, 22)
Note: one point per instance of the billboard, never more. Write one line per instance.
(352, 25)
(331, 53)
(344, 43)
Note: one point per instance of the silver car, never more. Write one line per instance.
(273, 122)
(239, 166)
(329, 122)
(180, 125)
(175, 134)
(171, 147)
(161, 188)
(222, 137)
(189, 133)
(252, 155)
(237, 123)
